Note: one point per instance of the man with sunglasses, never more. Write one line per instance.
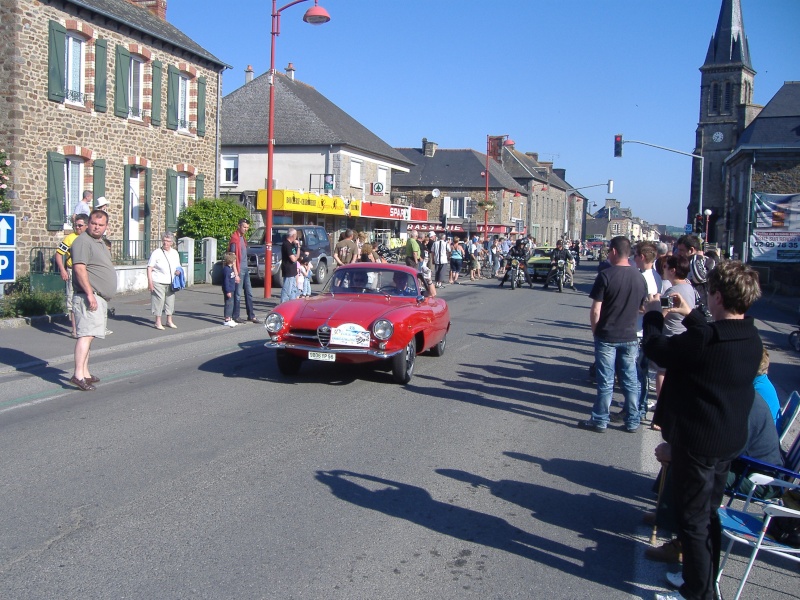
(64, 262)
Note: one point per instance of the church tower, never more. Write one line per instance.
(726, 93)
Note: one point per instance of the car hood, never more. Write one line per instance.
(345, 308)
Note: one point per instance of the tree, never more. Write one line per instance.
(211, 218)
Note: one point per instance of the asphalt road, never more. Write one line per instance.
(196, 471)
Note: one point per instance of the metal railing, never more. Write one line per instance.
(132, 252)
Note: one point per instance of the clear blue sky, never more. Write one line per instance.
(561, 77)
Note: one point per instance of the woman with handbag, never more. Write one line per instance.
(163, 265)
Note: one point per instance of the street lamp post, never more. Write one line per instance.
(707, 213)
(610, 190)
(316, 15)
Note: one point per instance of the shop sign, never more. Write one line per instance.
(457, 228)
(292, 201)
(394, 212)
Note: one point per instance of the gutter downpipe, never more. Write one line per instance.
(218, 144)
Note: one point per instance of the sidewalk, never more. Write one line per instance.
(29, 343)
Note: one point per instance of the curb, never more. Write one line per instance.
(17, 322)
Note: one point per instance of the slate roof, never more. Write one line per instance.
(532, 166)
(143, 20)
(452, 168)
(303, 117)
(729, 42)
(778, 123)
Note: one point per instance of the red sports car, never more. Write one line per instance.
(367, 313)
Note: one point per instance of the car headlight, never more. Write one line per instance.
(274, 322)
(382, 329)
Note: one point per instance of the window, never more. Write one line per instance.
(73, 181)
(728, 96)
(456, 207)
(135, 80)
(183, 103)
(230, 170)
(355, 173)
(182, 198)
(715, 97)
(382, 175)
(74, 69)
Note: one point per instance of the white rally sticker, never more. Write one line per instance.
(350, 334)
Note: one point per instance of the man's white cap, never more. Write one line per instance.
(101, 202)
(432, 234)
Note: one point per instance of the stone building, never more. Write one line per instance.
(107, 96)
(450, 183)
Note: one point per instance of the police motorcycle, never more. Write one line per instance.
(562, 276)
(390, 256)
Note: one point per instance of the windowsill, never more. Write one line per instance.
(229, 184)
(185, 132)
(358, 187)
(78, 107)
(137, 122)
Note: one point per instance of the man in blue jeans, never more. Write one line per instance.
(238, 245)
(618, 294)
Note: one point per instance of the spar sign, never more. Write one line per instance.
(776, 228)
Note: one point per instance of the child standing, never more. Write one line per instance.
(228, 287)
(303, 277)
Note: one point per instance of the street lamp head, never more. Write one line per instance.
(707, 212)
(316, 15)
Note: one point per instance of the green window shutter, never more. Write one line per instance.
(99, 178)
(55, 191)
(199, 187)
(122, 70)
(100, 75)
(173, 85)
(172, 200)
(56, 62)
(148, 195)
(201, 106)
(155, 111)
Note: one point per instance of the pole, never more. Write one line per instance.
(276, 26)
(486, 198)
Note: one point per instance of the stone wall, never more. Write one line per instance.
(36, 125)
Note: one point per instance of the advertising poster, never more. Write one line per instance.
(776, 228)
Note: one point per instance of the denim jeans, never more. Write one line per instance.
(289, 290)
(243, 287)
(607, 355)
(642, 368)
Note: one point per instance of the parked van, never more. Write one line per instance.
(313, 239)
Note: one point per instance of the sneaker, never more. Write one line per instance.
(669, 552)
(632, 429)
(669, 596)
(109, 332)
(674, 580)
(240, 321)
(591, 426)
(651, 405)
(230, 323)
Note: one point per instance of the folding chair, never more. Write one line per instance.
(751, 529)
(790, 471)
(788, 414)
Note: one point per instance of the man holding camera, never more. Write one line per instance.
(703, 410)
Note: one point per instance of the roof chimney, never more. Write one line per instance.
(533, 155)
(248, 74)
(562, 173)
(429, 148)
(157, 7)
(290, 71)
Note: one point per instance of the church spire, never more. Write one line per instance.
(729, 42)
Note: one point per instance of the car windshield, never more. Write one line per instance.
(372, 281)
(278, 233)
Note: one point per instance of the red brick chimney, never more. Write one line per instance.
(157, 7)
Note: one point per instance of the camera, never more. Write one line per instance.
(667, 302)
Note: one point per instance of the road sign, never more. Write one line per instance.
(8, 261)
(687, 228)
(8, 230)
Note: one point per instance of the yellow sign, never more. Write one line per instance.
(309, 203)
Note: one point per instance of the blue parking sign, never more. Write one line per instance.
(8, 269)
(687, 228)
(8, 230)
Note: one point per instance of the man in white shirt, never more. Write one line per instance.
(645, 257)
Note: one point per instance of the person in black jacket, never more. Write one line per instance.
(703, 410)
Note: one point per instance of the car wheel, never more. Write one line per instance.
(794, 340)
(438, 349)
(288, 364)
(403, 363)
(322, 272)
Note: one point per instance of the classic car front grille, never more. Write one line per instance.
(303, 334)
(324, 335)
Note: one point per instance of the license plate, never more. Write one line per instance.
(326, 356)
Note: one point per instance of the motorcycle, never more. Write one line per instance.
(562, 276)
(516, 270)
(387, 254)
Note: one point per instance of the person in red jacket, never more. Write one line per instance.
(238, 245)
(703, 410)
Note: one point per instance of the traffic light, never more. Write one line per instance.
(698, 223)
(443, 222)
(618, 145)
